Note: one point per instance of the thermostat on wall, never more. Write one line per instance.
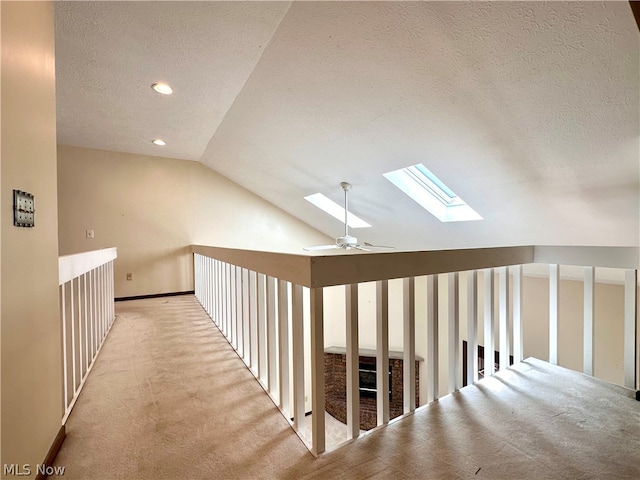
(23, 209)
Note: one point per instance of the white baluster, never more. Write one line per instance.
(353, 362)
(630, 329)
(518, 333)
(432, 339)
(283, 341)
(503, 293)
(382, 351)
(297, 341)
(409, 345)
(454, 332)
(554, 283)
(489, 312)
(472, 327)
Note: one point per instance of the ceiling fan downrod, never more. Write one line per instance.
(346, 186)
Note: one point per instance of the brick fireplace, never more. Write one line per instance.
(335, 381)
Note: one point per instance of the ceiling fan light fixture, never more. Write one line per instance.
(162, 88)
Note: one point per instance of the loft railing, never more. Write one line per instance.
(87, 313)
(262, 302)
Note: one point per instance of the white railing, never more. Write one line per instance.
(87, 313)
(263, 303)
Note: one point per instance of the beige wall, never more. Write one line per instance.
(31, 336)
(153, 208)
(609, 326)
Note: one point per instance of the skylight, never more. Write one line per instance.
(432, 194)
(335, 210)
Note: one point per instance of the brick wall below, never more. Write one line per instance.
(335, 381)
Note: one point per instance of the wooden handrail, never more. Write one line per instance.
(316, 271)
(285, 266)
(347, 269)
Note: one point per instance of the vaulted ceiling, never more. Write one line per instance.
(529, 111)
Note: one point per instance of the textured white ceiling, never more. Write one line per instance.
(108, 54)
(527, 110)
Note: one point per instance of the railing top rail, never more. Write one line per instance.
(328, 270)
(286, 266)
(346, 269)
(72, 266)
(612, 257)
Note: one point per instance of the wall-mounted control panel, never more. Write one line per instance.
(23, 209)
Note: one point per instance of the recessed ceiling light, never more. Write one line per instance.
(162, 88)
(160, 143)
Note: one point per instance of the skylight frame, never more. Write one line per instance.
(336, 211)
(431, 193)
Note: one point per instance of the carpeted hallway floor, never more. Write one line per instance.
(169, 399)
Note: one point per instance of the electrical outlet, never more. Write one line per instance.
(129, 277)
(91, 234)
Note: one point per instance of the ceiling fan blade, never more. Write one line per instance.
(379, 246)
(348, 242)
(321, 247)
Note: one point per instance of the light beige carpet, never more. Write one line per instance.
(169, 399)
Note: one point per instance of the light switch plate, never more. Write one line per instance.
(23, 209)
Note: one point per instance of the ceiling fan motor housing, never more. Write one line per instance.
(347, 240)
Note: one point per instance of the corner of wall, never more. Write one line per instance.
(31, 340)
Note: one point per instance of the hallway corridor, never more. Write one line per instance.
(168, 399)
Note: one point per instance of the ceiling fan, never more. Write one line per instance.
(347, 242)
